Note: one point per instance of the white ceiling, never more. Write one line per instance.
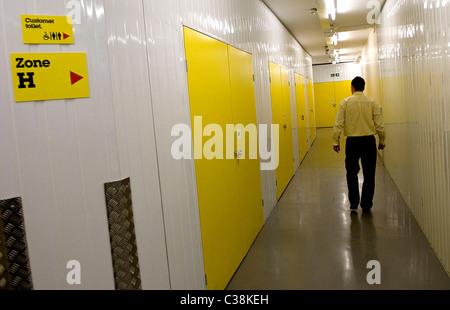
(311, 31)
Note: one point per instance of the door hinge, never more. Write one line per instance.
(263, 202)
(270, 79)
(187, 70)
(276, 182)
(206, 280)
(253, 77)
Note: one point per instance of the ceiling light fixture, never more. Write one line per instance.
(335, 39)
(337, 59)
(346, 35)
(345, 6)
(331, 8)
(336, 55)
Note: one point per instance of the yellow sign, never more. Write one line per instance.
(49, 76)
(39, 29)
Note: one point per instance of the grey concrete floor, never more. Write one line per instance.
(312, 241)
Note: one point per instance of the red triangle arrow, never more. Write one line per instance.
(65, 36)
(74, 78)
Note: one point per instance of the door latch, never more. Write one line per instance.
(238, 154)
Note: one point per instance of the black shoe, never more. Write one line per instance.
(354, 207)
(367, 210)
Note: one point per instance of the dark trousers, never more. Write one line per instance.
(364, 149)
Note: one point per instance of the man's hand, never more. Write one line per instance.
(381, 147)
(336, 148)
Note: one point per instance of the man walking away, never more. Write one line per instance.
(359, 118)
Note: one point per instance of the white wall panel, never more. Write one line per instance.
(55, 153)
(294, 123)
(370, 68)
(58, 154)
(127, 46)
(171, 107)
(414, 57)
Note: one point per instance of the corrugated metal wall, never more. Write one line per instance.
(248, 25)
(134, 120)
(414, 57)
(370, 67)
(57, 155)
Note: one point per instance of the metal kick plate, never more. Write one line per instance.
(5, 278)
(122, 235)
(15, 245)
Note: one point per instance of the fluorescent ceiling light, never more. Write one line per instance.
(345, 35)
(345, 6)
(345, 51)
(335, 39)
(331, 8)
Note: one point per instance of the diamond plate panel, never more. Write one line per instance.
(5, 278)
(122, 235)
(13, 229)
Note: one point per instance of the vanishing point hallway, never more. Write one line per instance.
(313, 241)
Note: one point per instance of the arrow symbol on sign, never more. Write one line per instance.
(65, 36)
(75, 78)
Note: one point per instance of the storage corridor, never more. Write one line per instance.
(313, 241)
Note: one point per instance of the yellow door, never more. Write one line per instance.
(210, 98)
(328, 97)
(287, 156)
(301, 115)
(281, 115)
(251, 217)
(324, 96)
(312, 112)
(342, 90)
(221, 92)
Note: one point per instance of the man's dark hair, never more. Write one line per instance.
(359, 84)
